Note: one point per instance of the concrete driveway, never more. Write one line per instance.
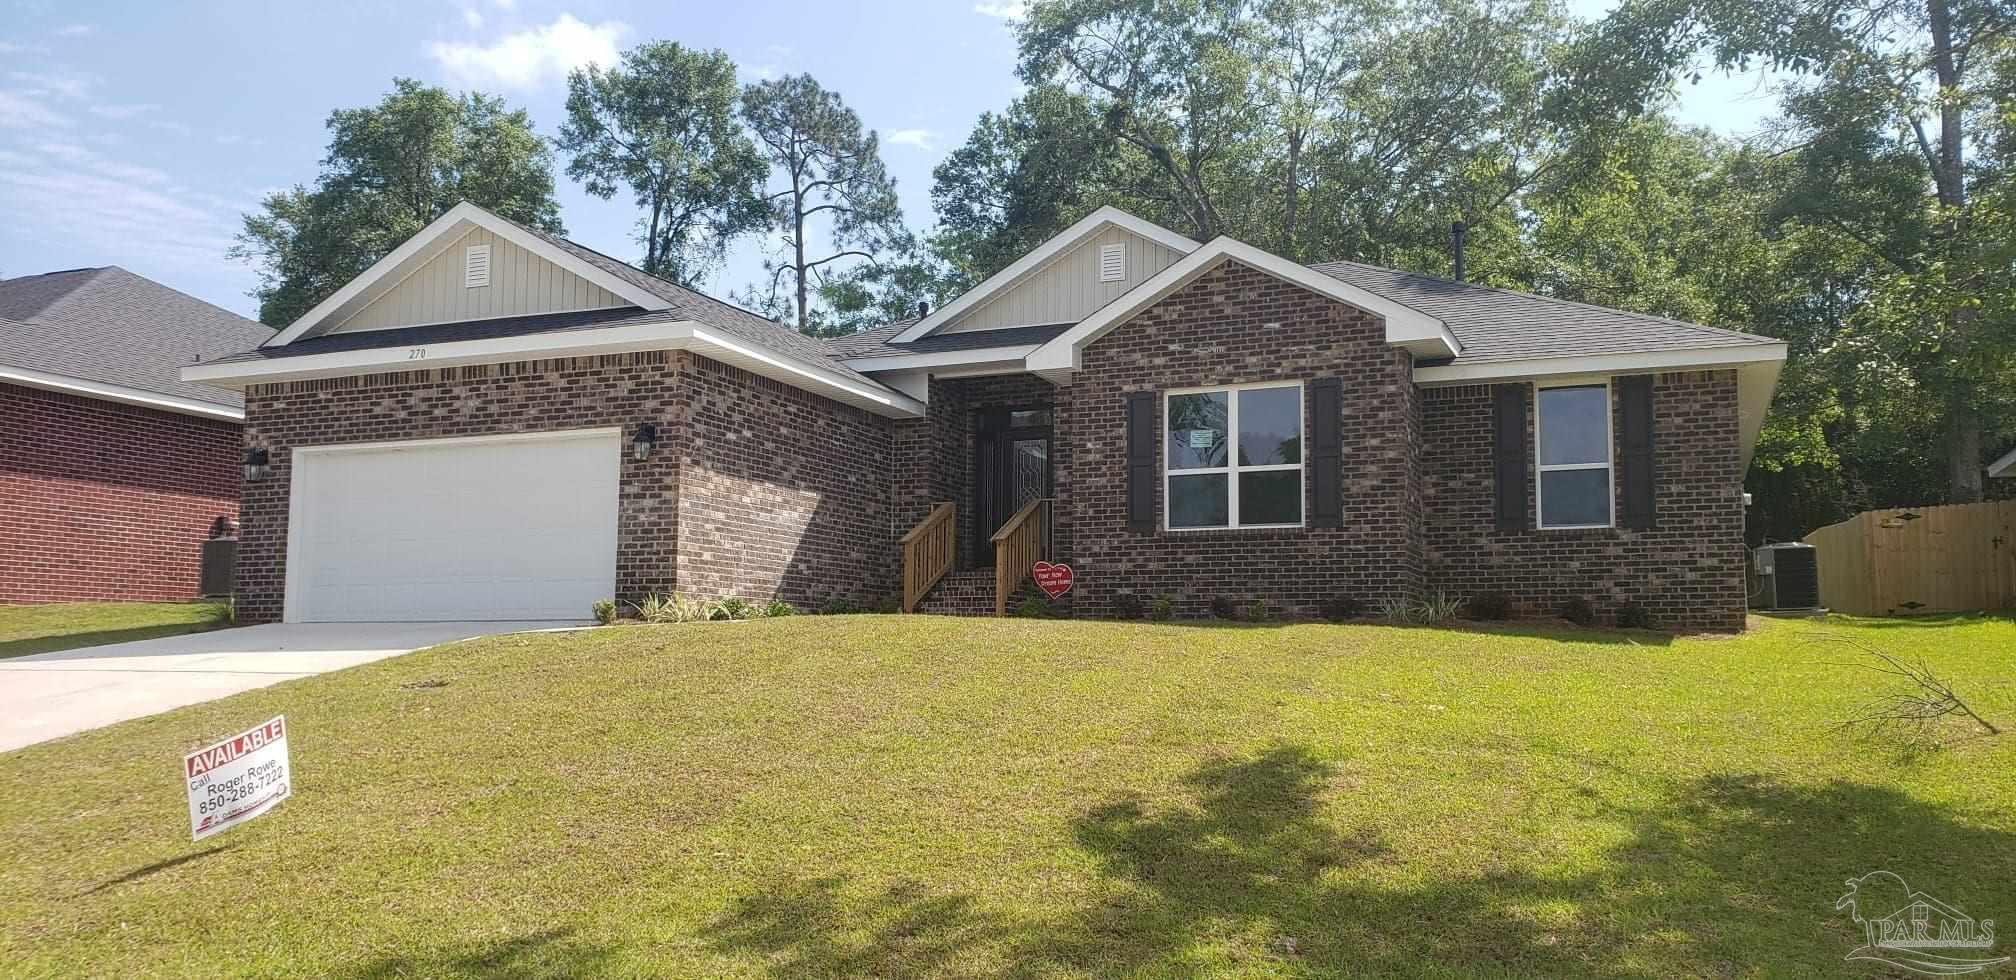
(50, 695)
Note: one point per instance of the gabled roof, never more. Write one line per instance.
(664, 312)
(1406, 326)
(1058, 244)
(108, 333)
(871, 344)
(2006, 466)
(1501, 324)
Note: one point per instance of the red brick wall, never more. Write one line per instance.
(756, 489)
(1688, 570)
(106, 501)
(1235, 325)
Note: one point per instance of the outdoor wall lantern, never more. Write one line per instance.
(641, 443)
(258, 464)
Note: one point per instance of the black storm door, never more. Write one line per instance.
(1011, 467)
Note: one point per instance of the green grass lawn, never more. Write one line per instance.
(910, 796)
(68, 625)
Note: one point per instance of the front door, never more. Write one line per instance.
(1010, 469)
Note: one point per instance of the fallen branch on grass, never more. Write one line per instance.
(1931, 699)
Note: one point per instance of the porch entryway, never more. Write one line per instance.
(1009, 497)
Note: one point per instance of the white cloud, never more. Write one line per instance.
(21, 110)
(16, 47)
(919, 138)
(107, 110)
(472, 17)
(1006, 10)
(109, 204)
(529, 58)
(68, 84)
(76, 30)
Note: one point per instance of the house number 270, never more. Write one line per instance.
(416, 353)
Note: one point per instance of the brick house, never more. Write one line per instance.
(112, 468)
(497, 423)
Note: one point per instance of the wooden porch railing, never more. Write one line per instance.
(928, 552)
(1017, 546)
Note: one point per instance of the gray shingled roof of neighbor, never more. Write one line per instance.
(1496, 324)
(110, 326)
(874, 343)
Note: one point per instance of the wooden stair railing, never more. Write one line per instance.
(928, 552)
(1017, 547)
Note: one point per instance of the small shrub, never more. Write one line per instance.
(1256, 611)
(1440, 608)
(1578, 611)
(1128, 605)
(839, 605)
(1162, 609)
(605, 611)
(1337, 609)
(1397, 609)
(776, 608)
(1222, 607)
(1634, 616)
(1490, 605)
(690, 609)
(732, 608)
(888, 604)
(1032, 607)
(657, 607)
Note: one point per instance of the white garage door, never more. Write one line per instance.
(456, 529)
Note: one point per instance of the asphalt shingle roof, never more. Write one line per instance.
(441, 333)
(875, 343)
(1496, 324)
(111, 326)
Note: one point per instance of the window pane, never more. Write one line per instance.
(1197, 430)
(1030, 418)
(1273, 497)
(1198, 501)
(1570, 497)
(1574, 425)
(1270, 426)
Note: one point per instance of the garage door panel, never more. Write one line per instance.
(480, 529)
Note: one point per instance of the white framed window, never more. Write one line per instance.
(1573, 452)
(1232, 457)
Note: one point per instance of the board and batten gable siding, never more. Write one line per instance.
(1068, 289)
(521, 284)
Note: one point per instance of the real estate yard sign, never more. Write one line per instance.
(237, 779)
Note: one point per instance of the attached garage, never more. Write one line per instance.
(518, 527)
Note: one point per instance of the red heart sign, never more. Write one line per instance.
(1054, 580)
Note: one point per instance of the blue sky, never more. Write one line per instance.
(137, 134)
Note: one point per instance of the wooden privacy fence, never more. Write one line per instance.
(1919, 560)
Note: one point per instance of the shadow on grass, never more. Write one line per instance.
(1733, 874)
(1929, 620)
(1533, 628)
(141, 872)
(98, 638)
(549, 953)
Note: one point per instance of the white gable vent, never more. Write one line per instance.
(476, 266)
(1113, 262)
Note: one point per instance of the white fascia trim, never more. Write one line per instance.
(958, 358)
(118, 393)
(430, 237)
(1405, 325)
(1040, 256)
(1599, 364)
(877, 399)
(2006, 466)
(674, 335)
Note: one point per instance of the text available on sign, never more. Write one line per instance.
(237, 779)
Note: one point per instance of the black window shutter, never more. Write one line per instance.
(1508, 455)
(1326, 452)
(1636, 465)
(1141, 426)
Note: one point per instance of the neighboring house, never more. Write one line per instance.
(112, 468)
(495, 423)
(2004, 467)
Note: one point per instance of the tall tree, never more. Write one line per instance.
(834, 182)
(662, 124)
(390, 169)
(1894, 97)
